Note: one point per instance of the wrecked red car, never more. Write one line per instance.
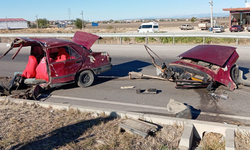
(55, 62)
(203, 66)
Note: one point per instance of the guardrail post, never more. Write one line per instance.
(237, 41)
(203, 40)
(97, 41)
(120, 40)
(173, 40)
(146, 40)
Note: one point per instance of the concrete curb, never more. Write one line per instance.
(191, 127)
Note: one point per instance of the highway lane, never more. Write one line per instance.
(106, 92)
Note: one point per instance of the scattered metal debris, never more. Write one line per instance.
(139, 75)
(138, 127)
(217, 96)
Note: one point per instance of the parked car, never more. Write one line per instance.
(202, 66)
(55, 62)
(236, 28)
(218, 29)
(186, 27)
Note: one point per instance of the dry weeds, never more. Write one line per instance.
(212, 141)
(24, 126)
(242, 140)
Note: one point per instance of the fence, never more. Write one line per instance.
(237, 36)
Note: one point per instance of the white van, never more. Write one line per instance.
(148, 27)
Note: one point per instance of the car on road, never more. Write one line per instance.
(236, 28)
(186, 27)
(218, 29)
(55, 62)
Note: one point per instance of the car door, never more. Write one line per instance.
(65, 64)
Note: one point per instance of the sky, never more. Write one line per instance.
(99, 10)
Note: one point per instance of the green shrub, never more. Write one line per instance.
(110, 27)
(126, 39)
(166, 39)
(140, 39)
(151, 39)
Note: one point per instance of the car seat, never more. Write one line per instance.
(30, 70)
(62, 55)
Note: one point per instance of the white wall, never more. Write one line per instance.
(13, 25)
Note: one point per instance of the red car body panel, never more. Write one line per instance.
(88, 40)
(223, 58)
(214, 54)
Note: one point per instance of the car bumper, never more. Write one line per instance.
(102, 69)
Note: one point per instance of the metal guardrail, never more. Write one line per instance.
(237, 36)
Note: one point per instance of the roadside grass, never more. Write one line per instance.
(212, 141)
(242, 140)
(24, 126)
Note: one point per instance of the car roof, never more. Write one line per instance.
(216, 54)
(53, 42)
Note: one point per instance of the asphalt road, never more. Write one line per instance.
(106, 92)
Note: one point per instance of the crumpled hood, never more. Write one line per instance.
(85, 39)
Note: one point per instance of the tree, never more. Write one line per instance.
(78, 23)
(43, 23)
(193, 19)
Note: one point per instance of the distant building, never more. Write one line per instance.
(13, 23)
(239, 16)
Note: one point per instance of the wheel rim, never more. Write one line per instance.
(85, 78)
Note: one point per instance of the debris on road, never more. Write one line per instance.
(139, 75)
(138, 127)
(222, 96)
(146, 91)
(127, 87)
(179, 109)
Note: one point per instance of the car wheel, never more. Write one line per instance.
(86, 78)
(234, 73)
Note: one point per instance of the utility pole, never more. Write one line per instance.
(82, 19)
(36, 21)
(7, 23)
(211, 3)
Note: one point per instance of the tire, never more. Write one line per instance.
(234, 73)
(86, 78)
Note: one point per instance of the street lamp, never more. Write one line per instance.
(211, 3)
